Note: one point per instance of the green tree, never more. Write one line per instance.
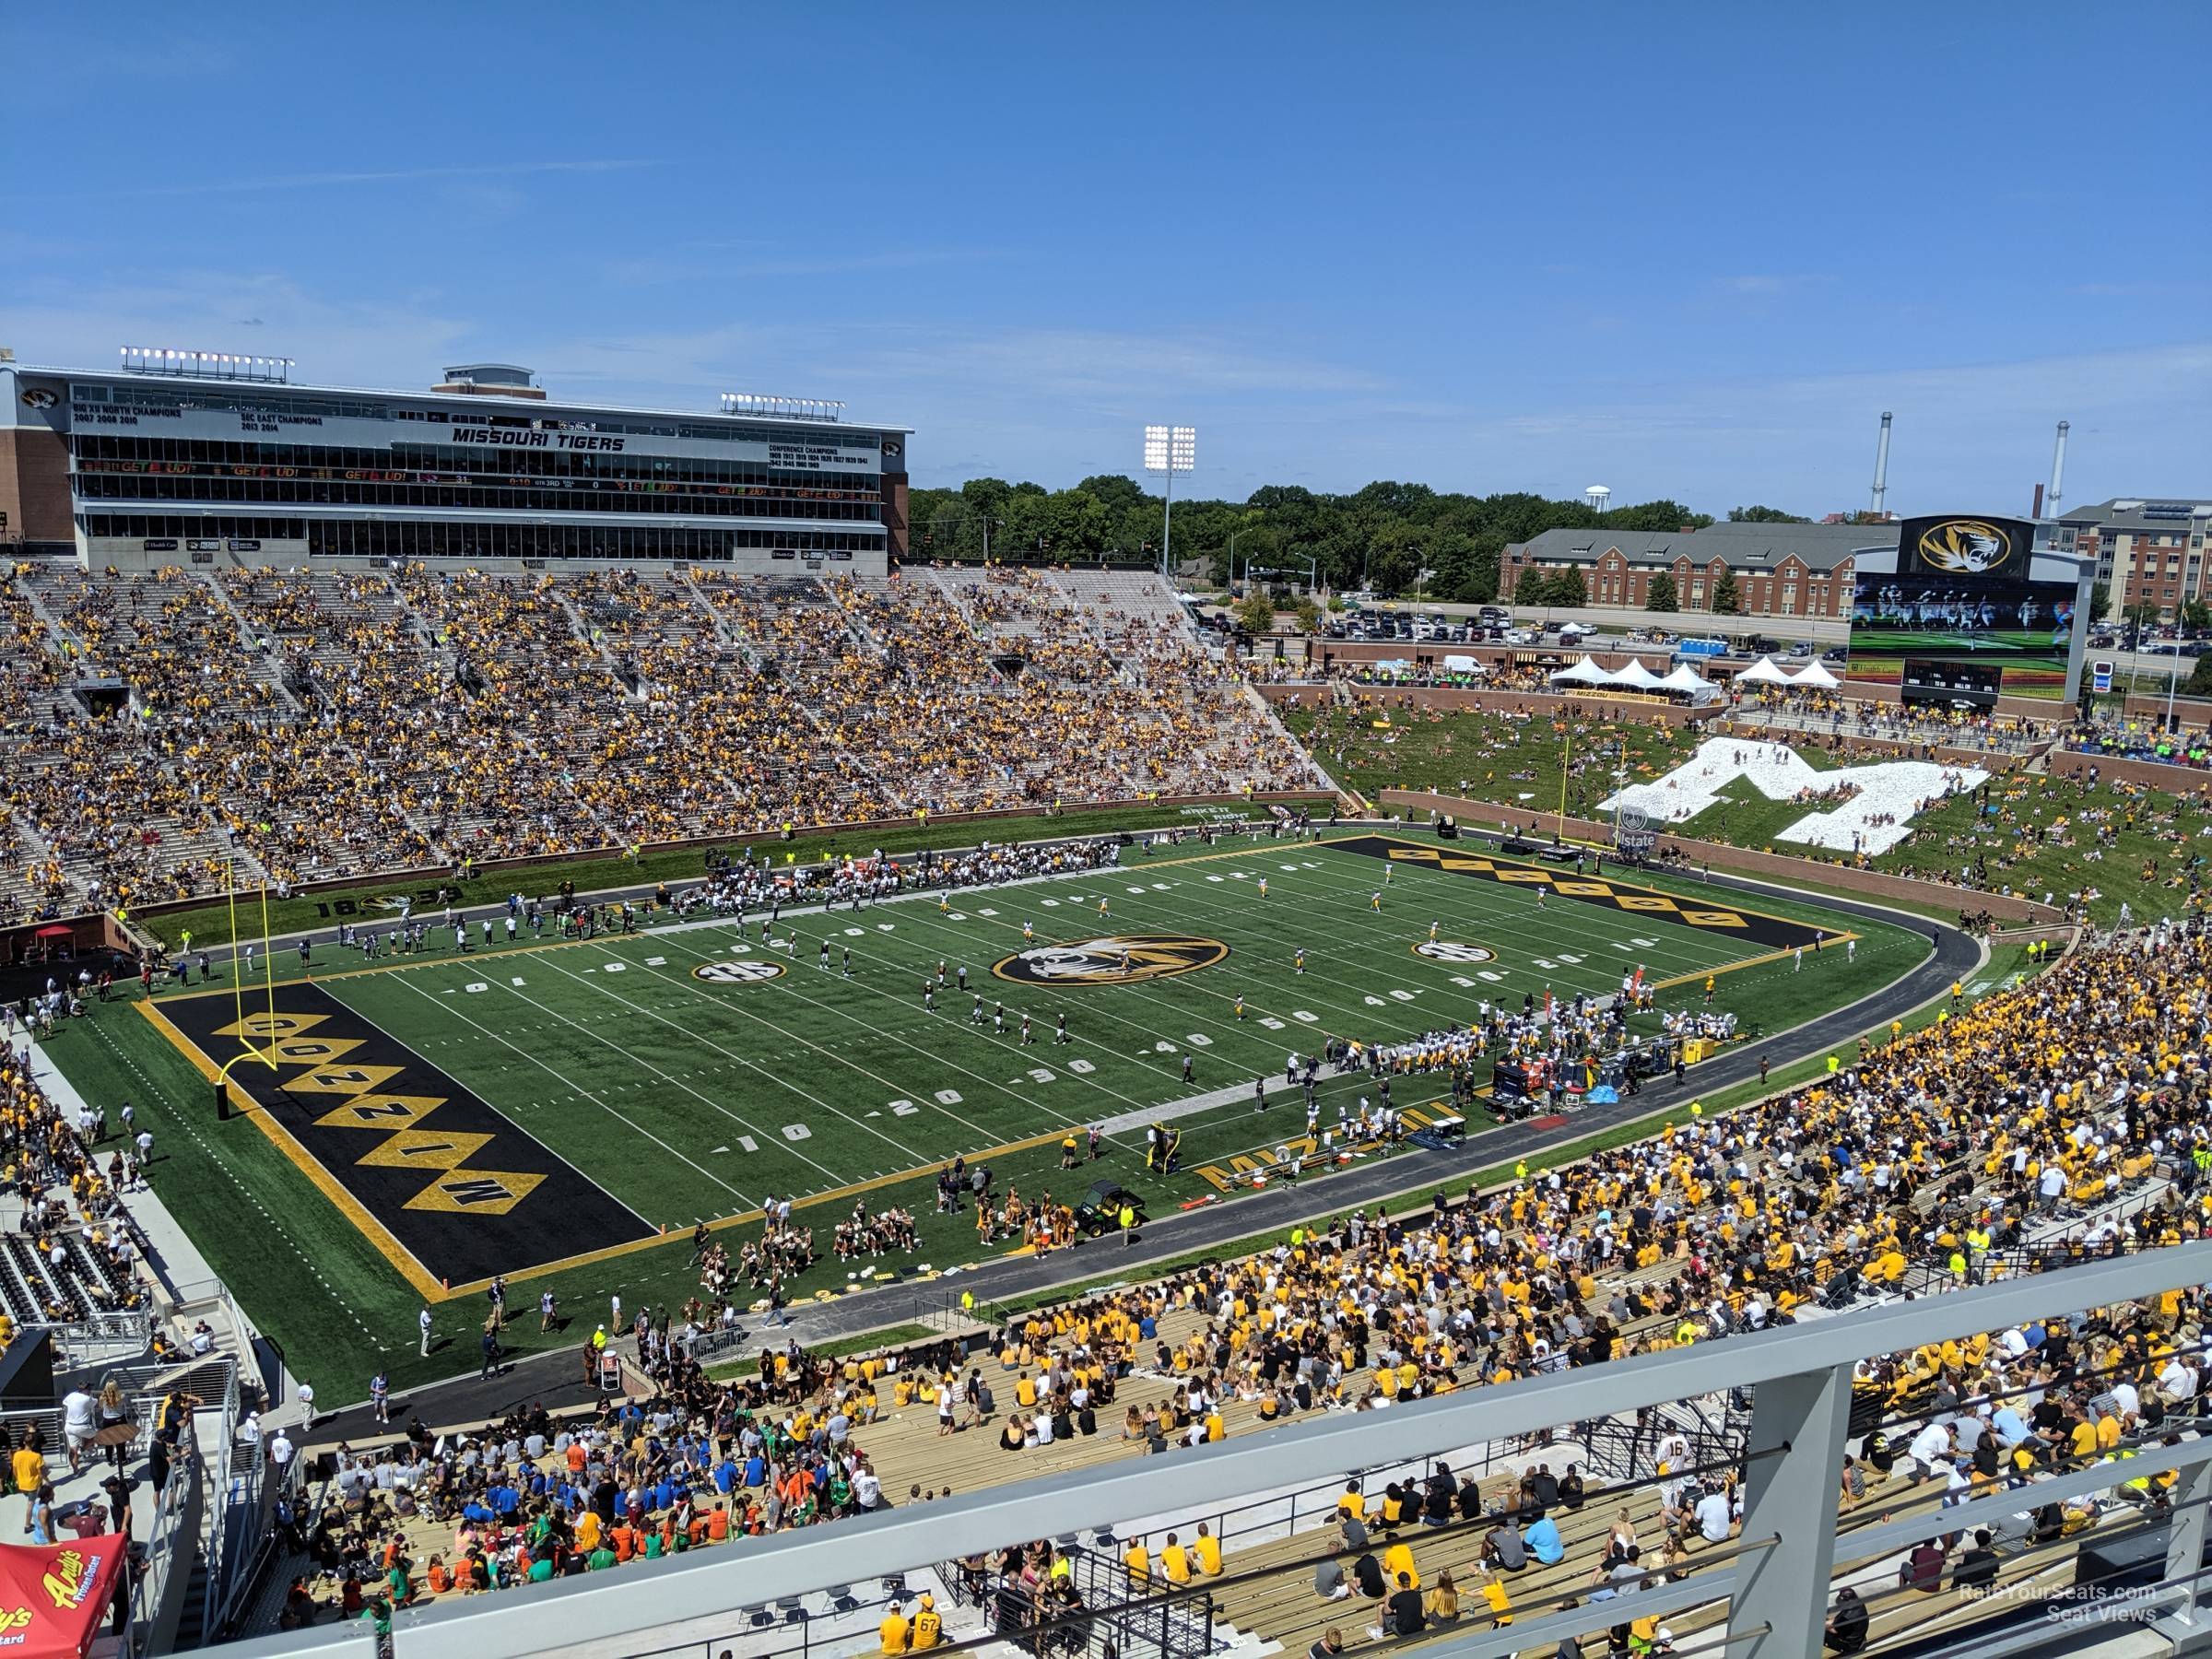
(2143, 613)
(1726, 601)
(1118, 493)
(1661, 594)
(1255, 613)
(2100, 600)
(1764, 515)
(1308, 616)
(1655, 515)
(2200, 678)
(1566, 588)
(1392, 569)
(2197, 616)
(1530, 587)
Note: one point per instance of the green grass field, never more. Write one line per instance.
(545, 1110)
(2129, 843)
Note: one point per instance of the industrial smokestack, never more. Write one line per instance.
(2058, 469)
(1881, 466)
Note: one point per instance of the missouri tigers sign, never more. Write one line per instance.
(1954, 544)
(1112, 959)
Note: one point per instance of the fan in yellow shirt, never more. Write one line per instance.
(1175, 1562)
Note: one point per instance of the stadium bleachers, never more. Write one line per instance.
(1795, 1210)
(311, 724)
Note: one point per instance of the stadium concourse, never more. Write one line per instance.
(2042, 1127)
(311, 725)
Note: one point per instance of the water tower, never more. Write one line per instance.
(1597, 495)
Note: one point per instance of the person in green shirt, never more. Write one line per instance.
(541, 1569)
(601, 1560)
(397, 1585)
(653, 1545)
(379, 1613)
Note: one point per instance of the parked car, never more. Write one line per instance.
(1836, 654)
(2101, 642)
(1803, 648)
(1493, 614)
(1519, 636)
(1763, 646)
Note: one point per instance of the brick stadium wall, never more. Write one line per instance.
(1993, 760)
(1646, 710)
(1460, 699)
(1768, 866)
(2187, 710)
(34, 486)
(2112, 768)
(1073, 820)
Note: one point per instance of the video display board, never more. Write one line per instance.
(1961, 592)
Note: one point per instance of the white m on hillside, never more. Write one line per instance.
(1889, 793)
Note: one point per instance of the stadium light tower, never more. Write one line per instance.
(1170, 450)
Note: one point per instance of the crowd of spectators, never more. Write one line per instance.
(311, 725)
(2066, 1118)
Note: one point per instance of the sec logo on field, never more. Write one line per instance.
(737, 973)
(1114, 959)
(1449, 950)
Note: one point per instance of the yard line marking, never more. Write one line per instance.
(580, 1089)
(782, 1082)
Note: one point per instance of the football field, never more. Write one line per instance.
(552, 1108)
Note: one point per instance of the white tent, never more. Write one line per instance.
(1686, 678)
(1636, 677)
(1763, 673)
(1585, 672)
(1815, 677)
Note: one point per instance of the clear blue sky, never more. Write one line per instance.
(1684, 250)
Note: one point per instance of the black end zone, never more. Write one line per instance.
(1773, 933)
(420, 1160)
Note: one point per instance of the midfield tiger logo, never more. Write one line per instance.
(1451, 950)
(1114, 959)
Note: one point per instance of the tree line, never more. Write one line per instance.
(1395, 538)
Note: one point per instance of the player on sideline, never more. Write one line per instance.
(1103, 911)
(944, 908)
(1388, 871)
(1540, 891)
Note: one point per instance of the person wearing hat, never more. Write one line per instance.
(894, 1632)
(929, 1628)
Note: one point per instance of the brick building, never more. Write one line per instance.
(2150, 550)
(1779, 569)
